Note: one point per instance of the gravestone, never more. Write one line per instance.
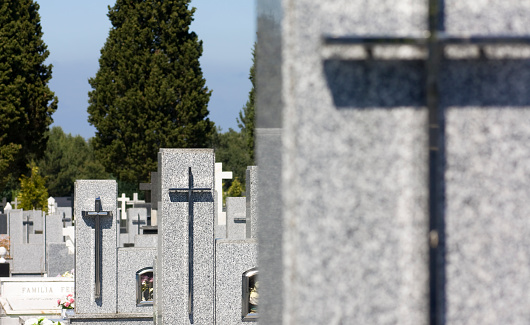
(59, 259)
(33, 295)
(353, 195)
(233, 258)
(137, 218)
(185, 272)
(95, 213)
(252, 201)
(236, 218)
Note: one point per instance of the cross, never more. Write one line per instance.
(97, 213)
(435, 42)
(190, 190)
(123, 201)
(65, 219)
(15, 202)
(27, 223)
(218, 185)
(138, 222)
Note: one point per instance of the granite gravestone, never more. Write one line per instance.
(353, 226)
(184, 272)
(252, 201)
(236, 221)
(412, 129)
(95, 268)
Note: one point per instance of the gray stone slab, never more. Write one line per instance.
(121, 319)
(133, 224)
(86, 191)
(54, 228)
(58, 259)
(236, 218)
(486, 215)
(173, 253)
(123, 239)
(65, 212)
(36, 239)
(220, 231)
(16, 228)
(270, 225)
(29, 259)
(354, 190)
(252, 201)
(130, 261)
(233, 258)
(37, 217)
(146, 240)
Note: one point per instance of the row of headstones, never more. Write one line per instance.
(39, 243)
(198, 274)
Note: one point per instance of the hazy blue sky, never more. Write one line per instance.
(75, 31)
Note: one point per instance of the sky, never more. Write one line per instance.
(76, 30)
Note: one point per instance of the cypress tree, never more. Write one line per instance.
(26, 102)
(246, 120)
(149, 91)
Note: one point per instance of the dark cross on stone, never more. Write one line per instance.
(190, 190)
(435, 42)
(97, 213)
(65, 220)
(27, 223)
(138, 222)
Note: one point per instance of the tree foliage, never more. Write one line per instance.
(33, 193)
(26, 102)
(66, 159)
(149, 91)
(246, 120)
(230, 149)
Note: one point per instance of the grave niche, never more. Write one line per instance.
(250, 296)
(144, 287)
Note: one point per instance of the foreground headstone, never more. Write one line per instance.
(95, 270)
(184, 278)
(354, 190)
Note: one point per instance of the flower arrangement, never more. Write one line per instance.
(41, 321)
(67, 303)
(147, 287)
(67, 274)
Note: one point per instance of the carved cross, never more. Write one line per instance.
(27, 223)
(138, 222)
(97, 213)
(190, 190)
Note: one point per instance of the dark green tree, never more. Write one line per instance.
(246, 120)
(66, 159)
(26, 102)
(149, 91)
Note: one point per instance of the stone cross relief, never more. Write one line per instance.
(138, 222)
(27, 223)
(435, 42)
(190, 190)
(96, 214)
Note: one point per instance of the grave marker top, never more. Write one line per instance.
(190, 191)
(97, 213)
(123, 201)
